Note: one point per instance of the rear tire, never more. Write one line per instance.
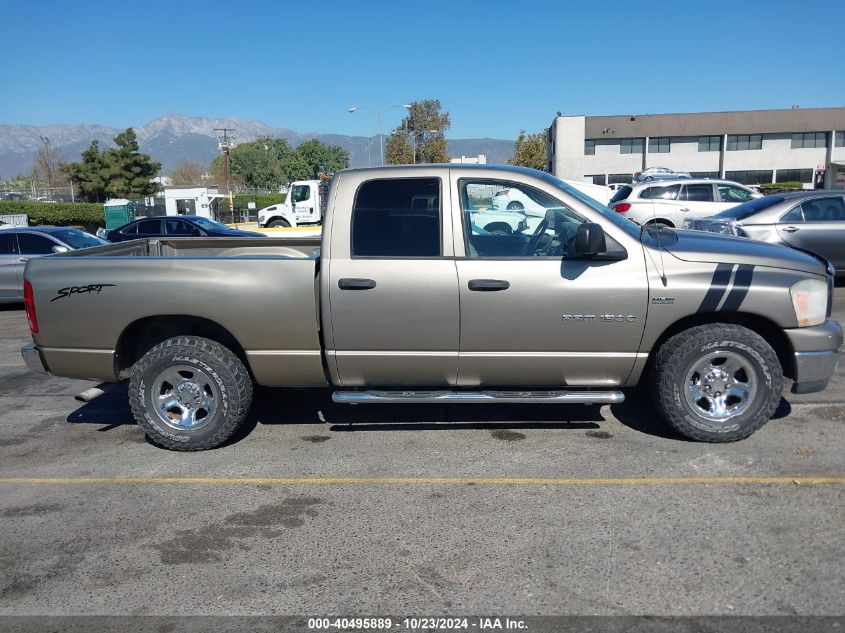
(278, 223)
(189, 393)
(717, 383)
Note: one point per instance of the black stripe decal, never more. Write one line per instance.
(718, 286)
(742, 282)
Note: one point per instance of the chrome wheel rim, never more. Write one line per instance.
(185, 397)
(720, 386)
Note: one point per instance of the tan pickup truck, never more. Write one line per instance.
(407, 298)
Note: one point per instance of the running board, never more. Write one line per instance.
(479, 397)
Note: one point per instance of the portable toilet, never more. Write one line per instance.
(119, 211)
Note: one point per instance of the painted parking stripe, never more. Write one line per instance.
(411, 481)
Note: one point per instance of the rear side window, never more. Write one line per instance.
(397, 218)
(824, 210)
(698, 193)
(621, 193)
(149, 227)
(7, 243)
(669, 192)
(31, 244)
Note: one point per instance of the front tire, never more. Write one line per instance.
(717, 383)
(278, 224)
(189, 393)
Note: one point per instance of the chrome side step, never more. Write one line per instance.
(479, 397)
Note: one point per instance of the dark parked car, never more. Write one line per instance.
(175, 226)
(19, 244)
(810, 220)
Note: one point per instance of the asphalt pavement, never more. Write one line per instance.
(319, 508)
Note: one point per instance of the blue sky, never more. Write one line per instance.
(496, 66)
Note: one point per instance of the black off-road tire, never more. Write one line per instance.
(278, 223)
(676, 357)
(219, 363)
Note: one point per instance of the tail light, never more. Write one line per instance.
(637, 174)
(29, 303)
(622, 207)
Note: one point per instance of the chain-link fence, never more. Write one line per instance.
(44, 194)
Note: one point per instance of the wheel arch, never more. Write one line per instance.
(768, 329)
(143, 334)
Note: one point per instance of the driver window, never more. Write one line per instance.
(512, 220)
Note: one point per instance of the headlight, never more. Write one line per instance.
(809, 298)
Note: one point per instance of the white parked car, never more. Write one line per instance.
(672, 202)
(659, 173)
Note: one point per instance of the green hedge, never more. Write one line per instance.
(776, 187)
(56, 213)
(261, 200)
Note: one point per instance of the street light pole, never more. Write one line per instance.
(379, 115)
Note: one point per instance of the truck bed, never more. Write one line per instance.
(93, 304)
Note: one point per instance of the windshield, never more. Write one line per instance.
(742, 211)
(611, 216)
(211, 225)
(77, 239)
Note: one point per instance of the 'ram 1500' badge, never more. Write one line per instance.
(606, 318)
(659, 300)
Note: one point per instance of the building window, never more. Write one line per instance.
(597, 179)
(709, 143)
(613, 179)
(631, 146)
(750, 177)
(840, 139)
(809, 139)
(795, 175)
(659, 145)
(589, 148)
(704, 174)
(742, 142)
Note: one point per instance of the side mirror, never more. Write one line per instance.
(589, 240)
(58, 248)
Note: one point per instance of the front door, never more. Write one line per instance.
(303, 203)
(531, 313)
(393, 289)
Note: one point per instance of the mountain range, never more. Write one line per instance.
(174, 138)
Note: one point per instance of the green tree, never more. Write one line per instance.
(529, 150)
(422, 132)
(121, 172)
(322, 158)
(92, 173)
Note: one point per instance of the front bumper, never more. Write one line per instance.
(816, 351)
(33, 360)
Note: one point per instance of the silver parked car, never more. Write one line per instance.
(19, 244)
(811, 220)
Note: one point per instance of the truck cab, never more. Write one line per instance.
(305, 204)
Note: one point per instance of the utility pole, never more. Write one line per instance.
(225, 144)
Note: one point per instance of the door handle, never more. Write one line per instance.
(23, 260)
(356, 284)
(790, 229)
(685, 209)
(488, 285)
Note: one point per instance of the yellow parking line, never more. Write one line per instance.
(492, 481)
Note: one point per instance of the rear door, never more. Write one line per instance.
(697, 200)
(817, 225)
(392, 288)
(10, 286)
(177, 227)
